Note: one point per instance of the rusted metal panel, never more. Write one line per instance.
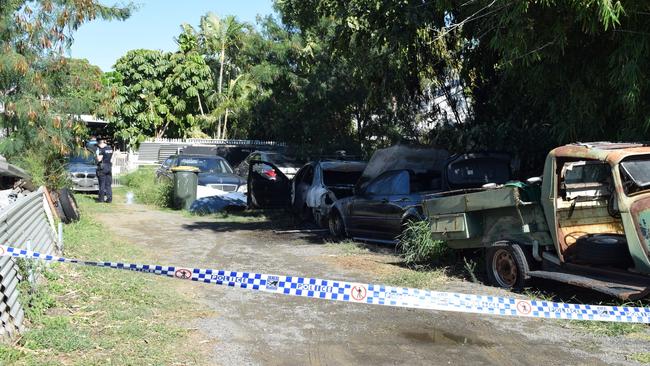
(623, 289)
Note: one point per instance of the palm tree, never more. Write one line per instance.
(234, 100)
(218, 35)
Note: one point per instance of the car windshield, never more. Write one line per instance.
(82, 159)
(205, 165)
(635, 173)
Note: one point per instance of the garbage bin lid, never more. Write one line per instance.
(183, 168)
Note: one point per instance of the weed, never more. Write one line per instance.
(538, 295)
(418, 246)
(146, 189)
(470, 267)
(641, 357)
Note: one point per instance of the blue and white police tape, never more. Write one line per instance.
(371, 294)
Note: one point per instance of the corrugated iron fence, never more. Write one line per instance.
(28, 223)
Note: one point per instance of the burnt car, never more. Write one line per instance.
(284, 164)
(313, 190)
(82, 171)
(383, 204)
(214, 171)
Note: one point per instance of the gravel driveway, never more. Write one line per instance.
(247, 327)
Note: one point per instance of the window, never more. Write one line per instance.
(391, 183)
(205, 165)
(635, 174)
(168, 163)
(308, 177)
(586, 179)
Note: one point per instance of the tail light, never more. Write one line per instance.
(271, 174)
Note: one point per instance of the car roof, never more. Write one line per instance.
(200, 156)
(612, 152)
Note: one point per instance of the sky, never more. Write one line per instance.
(154, 26)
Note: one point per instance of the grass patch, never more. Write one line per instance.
(103, 316)
(142, 182)
(417, 246)
(641, 357)
(608, 328)
(427, 279)
(348, 247)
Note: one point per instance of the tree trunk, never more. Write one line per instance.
(225, 125)
(198, 98)
(223, 60)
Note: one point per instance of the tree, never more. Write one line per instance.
(566, 70)
(142, 100)
(218, 36)
(34, 34)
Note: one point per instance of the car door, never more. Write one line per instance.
(164, 171)
(371, 209)
(268, 187)
(242, 169)
(302, 183)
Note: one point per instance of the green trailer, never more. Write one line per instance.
(586, 222)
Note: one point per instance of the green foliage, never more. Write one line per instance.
(533, 73)
(418, 246)
(146, 190)
(641, 357)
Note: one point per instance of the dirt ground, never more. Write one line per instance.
(253, 328)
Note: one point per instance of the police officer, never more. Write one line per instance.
(104, 171)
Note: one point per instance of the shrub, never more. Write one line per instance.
(146, 190)
(418, 246)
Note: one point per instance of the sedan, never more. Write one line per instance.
(214, 171)
(82, 171)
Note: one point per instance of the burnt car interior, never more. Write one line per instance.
(587, 213)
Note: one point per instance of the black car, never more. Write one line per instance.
(383, 205)
(214, 171)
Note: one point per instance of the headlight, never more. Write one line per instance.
(242, 188)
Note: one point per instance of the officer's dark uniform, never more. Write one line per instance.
(104, 173)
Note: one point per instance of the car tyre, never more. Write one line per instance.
(320, 221)
(68, 204)
(507, 266)
(336, 225)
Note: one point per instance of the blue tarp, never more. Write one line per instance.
(214, 204)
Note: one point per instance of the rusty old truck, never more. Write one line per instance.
(585, 222)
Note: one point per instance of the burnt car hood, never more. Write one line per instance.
(81, 168)
(220, 178)
(400, 157)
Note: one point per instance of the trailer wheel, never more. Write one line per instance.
(507, 266)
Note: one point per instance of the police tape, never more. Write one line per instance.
(369, 293)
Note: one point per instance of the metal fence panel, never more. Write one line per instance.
(25, 224)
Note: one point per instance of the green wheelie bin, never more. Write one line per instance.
(186, 178)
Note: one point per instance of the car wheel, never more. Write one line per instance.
(318, 218)
(507, 266)
(336, 225)
(69, 205)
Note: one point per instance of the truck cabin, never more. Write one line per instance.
(589, 183)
